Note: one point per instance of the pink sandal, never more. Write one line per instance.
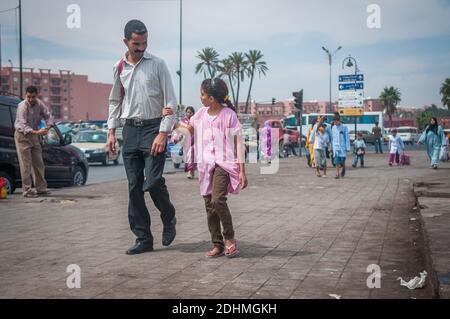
(231, 251)
(215, 252)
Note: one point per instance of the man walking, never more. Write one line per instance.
(376, 130)
(340, 144)
(288, 146)
(30, 113)
(142, 88)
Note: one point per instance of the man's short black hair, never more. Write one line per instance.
(31, 89)
(134, 26)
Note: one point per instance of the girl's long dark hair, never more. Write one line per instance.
(433, 127)
(189, 108)
(217, 88)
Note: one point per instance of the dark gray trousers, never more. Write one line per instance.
(137, 143)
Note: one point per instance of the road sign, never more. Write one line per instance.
(350, 103)
(356, 111)
(351, 86)
(344, 95)
(351, 78)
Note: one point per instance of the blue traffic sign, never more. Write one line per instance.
(351, 78)
(351, 86)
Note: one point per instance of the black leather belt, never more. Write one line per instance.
(141, 122)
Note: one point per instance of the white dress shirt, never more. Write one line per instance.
(148, 89)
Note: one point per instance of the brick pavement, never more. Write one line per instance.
(299, 236)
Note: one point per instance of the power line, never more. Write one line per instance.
(11, 9)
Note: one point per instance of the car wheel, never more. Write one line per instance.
(116, 161)
(10, 185)
(281, 149)
(78, 177)
(105, 160)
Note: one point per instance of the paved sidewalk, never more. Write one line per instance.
(433, 202)
(300, 237)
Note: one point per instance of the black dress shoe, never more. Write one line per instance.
(169, 233)
(140, 247)
(343, 172)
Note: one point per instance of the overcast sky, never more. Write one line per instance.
(410, 51)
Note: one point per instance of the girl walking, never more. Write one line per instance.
(188, 145)
(396, 147)
(220, 160)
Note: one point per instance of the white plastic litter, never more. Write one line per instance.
(335, 296)
(416, 282)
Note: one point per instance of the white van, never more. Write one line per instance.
(408, 134)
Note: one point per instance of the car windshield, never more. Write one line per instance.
(90, 137)
(63, 128)
(406, 130)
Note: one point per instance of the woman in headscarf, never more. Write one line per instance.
(266, 141)
(433, 137)
(188, 146)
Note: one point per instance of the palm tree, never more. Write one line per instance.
(390, 97)
(226, 68)
(240, 68)
(254, 64)
(209, 59)
(445, 92)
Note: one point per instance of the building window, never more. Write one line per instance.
(45, 98)
(45, 81)
(16, 79)
(56, 91)
(27, 80)
(56, 111)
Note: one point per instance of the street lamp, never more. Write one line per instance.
(350, 63)
(330, 61)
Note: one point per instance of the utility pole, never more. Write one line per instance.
(20, 49)
(181, 52)
(298, 104)
(330, 62)
(0, 49)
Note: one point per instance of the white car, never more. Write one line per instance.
(408, 134)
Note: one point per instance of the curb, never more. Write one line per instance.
(433, 279)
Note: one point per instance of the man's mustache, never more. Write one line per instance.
(138, 51)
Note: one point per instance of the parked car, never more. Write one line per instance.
(175, 152)
(447, 132)
(95, 147)
(368, 137)
(408, 134)
(386, 134)
(294, 134)
(64, 164)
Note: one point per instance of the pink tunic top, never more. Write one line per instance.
(214, 145)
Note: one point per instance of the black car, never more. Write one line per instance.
(64, 164)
